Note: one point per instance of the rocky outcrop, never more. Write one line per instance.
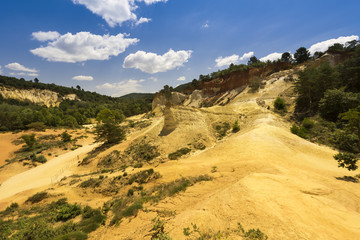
(37, 96)
(161, 100)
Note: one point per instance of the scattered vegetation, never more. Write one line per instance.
(179, 153)
(221, 129)
(43, 221)
(280, 104)
(235, 127)
(38, 197)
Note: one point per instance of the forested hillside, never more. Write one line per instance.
(18, 115)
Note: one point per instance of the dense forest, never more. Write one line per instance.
(19, 115)
(328, 104)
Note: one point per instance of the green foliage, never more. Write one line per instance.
(40, 222)
(179, 153)
(109, 133)
(346, 160)
(90, 183)
(221, 129)
(337, 101)
(132, 210)
(159, 230)
(142, 152)
(65, 137)
(280, 104)
(40, 159)
(67, 211)
(38, 197)
(236, 127)
(30, 141)
(301, 55)
(38, 126)
(144, 176)
(307, 123)
(300, 131)
(253, 234)
(286, 57)
(353, 121)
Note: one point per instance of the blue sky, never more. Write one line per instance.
(115, 47)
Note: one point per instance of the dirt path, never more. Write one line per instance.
(44, 175)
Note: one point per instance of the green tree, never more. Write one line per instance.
(105, 115)
(353, 121)
(280, 104)
(336, 101)
(30, 140)
(286, 57)
(346, 160)
(253, 60)
(109, 133)
(301, 55)
(65, 137)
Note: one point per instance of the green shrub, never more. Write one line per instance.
(67, 211)
(221, 129)
(301, 132)
(280, 104)
(72, 236)
(30, 141)
(92, 182)
(65, 137)
(307, 123)
(235, 127)
(255, 235)
(179, 153)
(38, 126)
(132, 210)
(346, 160)
(41, 159)
(38, 197)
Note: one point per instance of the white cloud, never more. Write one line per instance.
(122, 88)
(18, 67)
(23, 74)
(154, 79)
(153, 63)
(206, 25)
(142, 20)
(226, 61)
(246, 56)
(45, 36)
(84, 46)
(83, 78)
(114, 12)
(323, 46)
(0, 70)
(271, 57)
(182, 78)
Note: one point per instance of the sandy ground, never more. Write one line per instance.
(7, 148)
(266, 178)
(44, 175)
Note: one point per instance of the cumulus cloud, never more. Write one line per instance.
(246, 56)
(226, 61)
(142, 20)
(271, 57)
(182, 78)
(324, 45)
(18, 67)
(122, 88)
(83, 78)
(23, 74)
(84, 46)
(45, 36)
(153, 63)
(114, 12)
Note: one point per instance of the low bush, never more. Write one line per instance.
(280, 104)
(38, 197)
(179, 153)
(68, 211)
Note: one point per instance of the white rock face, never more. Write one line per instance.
(37, 96)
